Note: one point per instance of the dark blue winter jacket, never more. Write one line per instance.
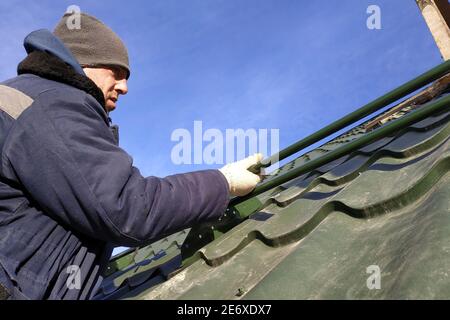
(68, 193)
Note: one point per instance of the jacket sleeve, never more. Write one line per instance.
(62, 152)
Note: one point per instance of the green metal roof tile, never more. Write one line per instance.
(175, 240)
(392, 183)
(156, 270)
(314, 236)
(410, 246)
(226, 246)
(352, 166)
(329, 166)
(349, 247)
(145, 261)
(125, 259)
(242, 271)
(368, 149)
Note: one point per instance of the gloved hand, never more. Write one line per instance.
(240, 180)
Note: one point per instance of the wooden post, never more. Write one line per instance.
(437, 16)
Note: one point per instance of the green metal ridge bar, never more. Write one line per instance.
(356, 115)
(387, 129)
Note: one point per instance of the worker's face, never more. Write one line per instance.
(112, 81)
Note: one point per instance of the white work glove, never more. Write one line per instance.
(240, 180)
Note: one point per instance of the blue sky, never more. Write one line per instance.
(292, 65)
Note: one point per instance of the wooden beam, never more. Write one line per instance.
(428, 94)
(437, 16)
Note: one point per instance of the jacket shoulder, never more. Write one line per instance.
(48, 92)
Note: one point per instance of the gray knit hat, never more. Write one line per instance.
(92, 42)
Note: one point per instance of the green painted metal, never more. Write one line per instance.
(408, 245)
(331, 234)
(384, 131)
(241, 208)
(134, 255)
(388, 208)
(381, 102)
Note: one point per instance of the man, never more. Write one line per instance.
(68, 193)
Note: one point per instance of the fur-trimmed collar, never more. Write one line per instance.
(51, 67)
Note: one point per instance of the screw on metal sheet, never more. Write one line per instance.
(240, 292)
